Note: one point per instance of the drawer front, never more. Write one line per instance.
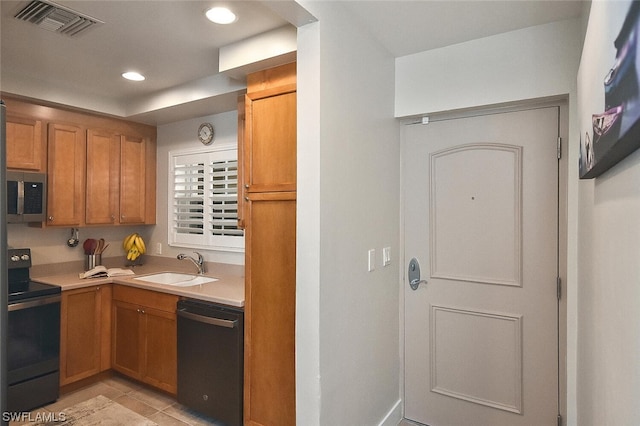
(151, 299)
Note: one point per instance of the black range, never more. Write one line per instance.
(33, 338)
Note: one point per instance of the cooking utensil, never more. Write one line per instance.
(99, 246)
(73, 241)
(89, 246)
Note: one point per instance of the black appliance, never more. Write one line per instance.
(33, 337)
(211, 359)
(26, 197)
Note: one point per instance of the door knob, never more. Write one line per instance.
(414, 274)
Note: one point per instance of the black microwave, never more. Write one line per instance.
(26, 197)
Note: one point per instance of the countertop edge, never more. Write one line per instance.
(230, 290)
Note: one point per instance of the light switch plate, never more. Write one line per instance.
(372, 260)
(386, 256)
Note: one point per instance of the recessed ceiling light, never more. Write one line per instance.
(221, 15)
(133, 76)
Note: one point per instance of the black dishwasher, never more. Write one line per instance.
(210, 359)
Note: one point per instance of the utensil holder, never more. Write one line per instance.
(91, 261)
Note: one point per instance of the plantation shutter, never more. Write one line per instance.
(205, 201)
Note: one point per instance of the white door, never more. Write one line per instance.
(481, 219)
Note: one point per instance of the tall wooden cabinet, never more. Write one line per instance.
(269, 213)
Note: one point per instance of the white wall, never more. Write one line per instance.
(609, 293)
(532, 63)
(183, 135)
(356, 380)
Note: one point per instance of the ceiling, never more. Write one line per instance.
(173, 44)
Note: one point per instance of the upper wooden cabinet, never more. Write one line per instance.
(103, 177)
(25, 144)
(65, 175)
(117, 179)
(270, 140)
(133, 173)
(101, 170)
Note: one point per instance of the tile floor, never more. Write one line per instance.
(156, 406)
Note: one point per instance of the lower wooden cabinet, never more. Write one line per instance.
(144, 333)
(85, 338)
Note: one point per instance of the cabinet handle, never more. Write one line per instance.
(50, 218)
(113, 218)
(246, 185)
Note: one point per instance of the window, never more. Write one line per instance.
(203, 200)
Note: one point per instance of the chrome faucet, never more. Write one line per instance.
(199, 263)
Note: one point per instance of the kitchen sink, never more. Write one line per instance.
(176, 279)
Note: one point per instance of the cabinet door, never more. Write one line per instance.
(103, 177)
(25, 146)
(161, 359)
(127, 339)
(270, 140)
(133, 179)
(80, 334)
(67, 153)
(241, 147)
(270, 299)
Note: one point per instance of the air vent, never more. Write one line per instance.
(57, 18)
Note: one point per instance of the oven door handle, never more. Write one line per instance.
(34, 303)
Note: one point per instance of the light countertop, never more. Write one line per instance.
(228, 289)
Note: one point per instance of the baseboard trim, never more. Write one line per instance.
(394, 416)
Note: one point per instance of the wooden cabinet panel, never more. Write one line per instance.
(25, 145)
(133, 180)
(270, 141)
(127, 339)
(66, 175)
(241, 180)
(270, 309)
(85, 333)
(161, 352)
(269, 154)
(103, 177)
(145, 336)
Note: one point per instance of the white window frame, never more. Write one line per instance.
(207, 239)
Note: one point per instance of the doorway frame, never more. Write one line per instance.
(562, 103)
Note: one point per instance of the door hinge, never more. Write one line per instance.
(559, 147)
(559, 420)
(559, 287)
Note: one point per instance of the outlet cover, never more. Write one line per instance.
(372, 260)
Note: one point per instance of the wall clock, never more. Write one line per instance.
(205, 133)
